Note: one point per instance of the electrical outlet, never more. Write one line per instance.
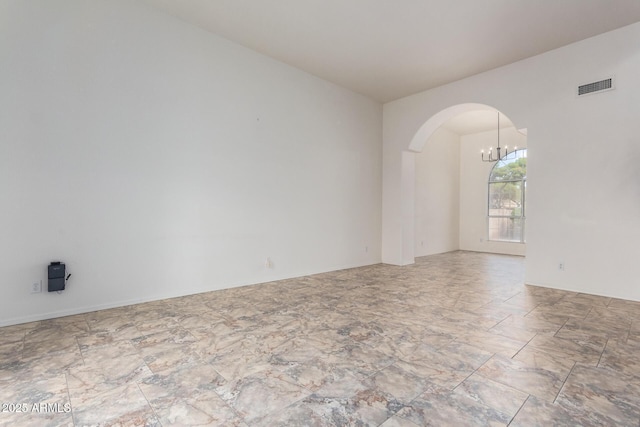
(561, 266)
(36, 288)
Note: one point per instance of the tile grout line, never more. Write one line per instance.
(474, 371)
(280, 411)
(401, 417)
(519, 409)
(487, 361)
(511, 297)
(498, 324)
(24, 344)
(529, 312)
(66, 378)
(560, 328)
(155, 414)
(232, 408)
(626, 341)
(524, 346)
(602, 354)
(84, 363)
(564, 382)
(498, 380)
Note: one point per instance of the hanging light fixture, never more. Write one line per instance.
(499, 154)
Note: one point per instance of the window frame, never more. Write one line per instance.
(522, 217)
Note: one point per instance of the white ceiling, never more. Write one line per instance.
(476, 121)
(388, 49)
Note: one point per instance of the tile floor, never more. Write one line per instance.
(455, 339)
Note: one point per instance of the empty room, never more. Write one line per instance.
(319, 213)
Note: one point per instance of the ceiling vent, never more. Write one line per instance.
(589, 88)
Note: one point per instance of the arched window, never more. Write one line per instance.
(507, 188)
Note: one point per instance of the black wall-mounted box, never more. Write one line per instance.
(57, 272)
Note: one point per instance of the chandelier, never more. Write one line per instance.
(499, 155)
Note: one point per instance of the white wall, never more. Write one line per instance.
(474, 176)
(158, 160)
(437, 194)
(583, 180)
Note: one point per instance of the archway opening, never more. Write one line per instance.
(450, 181)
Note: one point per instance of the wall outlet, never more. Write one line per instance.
(268, 263)
(561, 266)
(36, 287)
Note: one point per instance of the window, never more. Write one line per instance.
(507, 188)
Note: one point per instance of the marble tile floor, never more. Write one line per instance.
(456, 339)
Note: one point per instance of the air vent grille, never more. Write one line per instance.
(588, 88)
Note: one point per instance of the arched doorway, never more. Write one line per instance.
(433, 220)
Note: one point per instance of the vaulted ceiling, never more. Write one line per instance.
(388, 49)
